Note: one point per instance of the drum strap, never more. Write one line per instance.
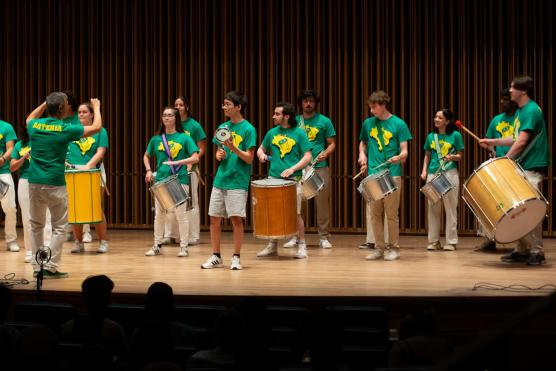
(175, 169)
(437, 144)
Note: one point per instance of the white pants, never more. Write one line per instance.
(23, 198)
(44, 197)
(10, 209)
(532, 242)
(450, 201)
(182, 217)
(370, 235)
(171, 227)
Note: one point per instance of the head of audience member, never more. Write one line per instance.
(284, 114)
(444, 119)
(97, 291)
(170, 119)
(419, 323)
(378, 103)
(308, 100)
(160, 302)
(57, 105)
(229, 331)
(235, 103)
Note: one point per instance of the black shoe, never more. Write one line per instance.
(367, 245)
(515, 257)
(536, 259)
(486, 246)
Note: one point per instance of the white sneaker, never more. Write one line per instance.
(236, 265)
(291, 243)
(194, 241)
(301, 251)
(103, 247)
(325, 244)
(13, 246)
(434, 246)
(375, 255)
(449, 247)
(270, 250)
(87, 237)
(391, 254)
(213, 262)
(155, 250)
(183, 252)
(28, 257)
(77, 247)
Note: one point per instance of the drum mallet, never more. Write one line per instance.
(358, 174)
(460, 126)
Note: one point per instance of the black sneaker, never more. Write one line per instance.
(536, 259)
(515, 257)
(486, 246)
(367, 245)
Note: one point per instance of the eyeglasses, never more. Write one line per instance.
(168, 115)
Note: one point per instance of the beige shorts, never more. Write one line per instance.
(225, 203)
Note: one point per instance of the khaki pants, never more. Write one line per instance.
(322, 202)
(171, 227)
(450, 201)
(390, 206)
(532, 242)
(370, 235)
(182, 217)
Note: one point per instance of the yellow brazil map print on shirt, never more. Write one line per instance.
(386, 136)
(236, 139)
(311, 132)
(24, 150)
(85, 144)
(445, 147)
(284, 143)
(175, 148)
(505, 129)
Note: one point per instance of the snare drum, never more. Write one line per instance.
(223, 134)
(3, 189)
(504, 202)
(169, 193)
(84, 196)
(437, 187)
(274, 204)
(312, 183)
(377, 186)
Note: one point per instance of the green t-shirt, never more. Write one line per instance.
(19, 151)
(50, 138)
(501, 126)
(72, 120)
(181, 147)
(449, 144)
(383, 140)
(234, 173)
(193, 129)
(81, 151)
(287, 147)
(7, 134)
(530, 118)
(318, 129)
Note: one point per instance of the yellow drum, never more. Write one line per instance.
(502, 199)
(84, 196)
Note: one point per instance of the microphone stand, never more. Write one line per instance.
(43, 256)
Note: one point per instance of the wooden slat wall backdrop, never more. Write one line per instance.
(136, 56)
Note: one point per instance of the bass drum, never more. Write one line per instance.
(274, 204)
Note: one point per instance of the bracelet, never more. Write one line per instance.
(149, 170)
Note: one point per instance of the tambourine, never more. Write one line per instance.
(223, 134)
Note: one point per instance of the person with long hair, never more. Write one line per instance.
(173, 151)
(443, 150)
(86, 154)
(194, 129)
(21, 155)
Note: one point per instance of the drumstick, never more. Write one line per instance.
(105, 186)
(381, 165)
(460, 125)
(358, 174)
(199, 176)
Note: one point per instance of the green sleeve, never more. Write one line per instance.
(458, 141)
(403, 133)
(190, 146)
(15, 152)
(150, 148)
(364, 135)
(266, 141)
(491, 130)
(10, 133)
(103, 139)
(329, 131)
(200, 133)
(304, 142)
(427, 145)
(250, 138)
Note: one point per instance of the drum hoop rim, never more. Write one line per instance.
(486, 163)
(286, 183)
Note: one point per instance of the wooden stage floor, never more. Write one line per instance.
(339, 272)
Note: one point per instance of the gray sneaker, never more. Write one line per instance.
(155, 250)
(13, 246)
(183, 252)
(301, 251)
(77, 247)
(270, 250)
(376, 254)
(235, 265)
(391, 254)
(213, 262)
(103, 247)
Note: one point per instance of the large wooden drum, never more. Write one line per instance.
(84, 196)
(503, 201)
(274, 208)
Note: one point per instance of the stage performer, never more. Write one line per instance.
(7, 141)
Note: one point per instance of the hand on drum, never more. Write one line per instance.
(228, 143)
(321, 157)
(287, 173)
(149, 177)
(220, 154)
(262, 156)
(394, 159)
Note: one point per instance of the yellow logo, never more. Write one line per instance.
(187, 132)
(236, 139)
(284, 143)
(1, 137)
(311, 132)
(85, 144)
(175, 148)
(517, 124)
(445, 147)
(386, 136)
(24, 150)
(505, 129)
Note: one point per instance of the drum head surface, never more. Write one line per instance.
(222, 134)
(520, 220)
(272, 182)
